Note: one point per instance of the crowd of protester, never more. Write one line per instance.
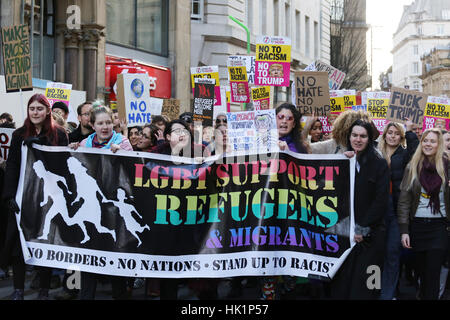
(401, 202)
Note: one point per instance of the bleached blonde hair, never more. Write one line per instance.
(416, 162)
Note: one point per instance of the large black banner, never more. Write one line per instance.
(148, 215)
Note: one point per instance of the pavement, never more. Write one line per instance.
(250, 291)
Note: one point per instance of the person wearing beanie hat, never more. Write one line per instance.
(61, 108)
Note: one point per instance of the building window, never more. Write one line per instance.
(337, 10)
(445, 14)
(440, 29)
(140, 24)
(307, 37)
(297, 30)
(43, 34)
(416, 49)
(416, 85)
(197, 7)
(419, 30)
(288, 19)
(249, 12)
(316, 40)
(263, 18)
(415, 67)
(276, 20)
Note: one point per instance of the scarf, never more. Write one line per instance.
(92, 141)
(431, 182)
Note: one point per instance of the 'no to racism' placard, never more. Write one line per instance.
(407, 104)
(17, 58)
(273, 61)
(312, 95)
(437, 113)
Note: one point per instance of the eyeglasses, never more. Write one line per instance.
(180, 132)
(218, 121)
(282, 117)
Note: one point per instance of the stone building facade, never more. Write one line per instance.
(436, 72)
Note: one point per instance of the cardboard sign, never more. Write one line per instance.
(377, 106)
(237, 76)
(312, 93)
(17, 58)
(204, 101)
(133, 99)
(253, 130)
(261, 98)
(208, 72)
(5, 142)
(273, 61)
(171, 108)
(437, 113)
(335, 76)
(250, 63)
(407, 104)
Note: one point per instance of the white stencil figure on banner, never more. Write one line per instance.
(90, 210)
(126, 212)
(54, 192)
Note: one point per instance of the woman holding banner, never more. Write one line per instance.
(40, 128)
(290, 139)
(371, 197)
(397, 147)
(424, 210)
(104, 137)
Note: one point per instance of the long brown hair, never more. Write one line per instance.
(382, 146)
(49, 127)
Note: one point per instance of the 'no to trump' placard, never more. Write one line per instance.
(273, 61)
(312, 95)
(407, 104)
(17, 58)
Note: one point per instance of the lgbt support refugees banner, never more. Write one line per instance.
(147, 215)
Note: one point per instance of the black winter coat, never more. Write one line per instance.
(399, 160)
(11, 246)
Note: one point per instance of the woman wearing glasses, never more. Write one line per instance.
(289, 129)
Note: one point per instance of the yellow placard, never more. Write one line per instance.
(337, 104)
(272, 52)
(378, 108)
(261, 93)
(237, 74)
(213, 75)
(437, 110)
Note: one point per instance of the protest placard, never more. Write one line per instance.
(17, 58)
(171, 108)
(377, 106)
(5, 142)
(336, 102)
(250, 63)
(437, 113)
(335, 76)
(407, 104)
(312, 93)
(204, 101)
(237, 76)
(208, 72)
(261, 98)
(253, 130)
(273, 61)
(133, 99)
(349, 99)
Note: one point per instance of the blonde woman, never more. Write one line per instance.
(397, 148)
(424, 210)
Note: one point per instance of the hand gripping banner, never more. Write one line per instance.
(147, 215)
